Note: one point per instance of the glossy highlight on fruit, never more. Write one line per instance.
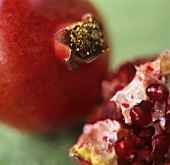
(38, 92)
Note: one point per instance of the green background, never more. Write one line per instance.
(136, 28)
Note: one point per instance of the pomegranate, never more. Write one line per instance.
(41, 42)
(137, 131)
(141, 113)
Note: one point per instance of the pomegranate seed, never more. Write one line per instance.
(104, 111)
(109, 109)
(167, 126)
(141, 114)
(137, 163)
(160, 145)
(122, 161)
(157, 92)
(144, 155)
(137, 141)
(168, 112)
(124, 147)
(127, 72)
(147, 133)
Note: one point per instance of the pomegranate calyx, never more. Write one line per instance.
(84, 40)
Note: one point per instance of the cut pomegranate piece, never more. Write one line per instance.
(140, 112)
(95, 145)
(116, 81)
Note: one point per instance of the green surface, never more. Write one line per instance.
(136, 27)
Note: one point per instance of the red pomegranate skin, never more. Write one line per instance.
(38, 93)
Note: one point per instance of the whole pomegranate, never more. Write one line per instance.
(38, 90)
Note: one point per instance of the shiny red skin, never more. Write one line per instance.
(38, 93)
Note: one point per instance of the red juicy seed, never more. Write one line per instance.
(124, 147)
(144, 155)
(127, 72)
(157, 92)
(141, 114)
(110, 76)
(137, 141)
(122, 161)
(109, 109)
(168, 112)
(111, 86)
(160, 145)
(147, 133)
(167, 126)
(137, 163)
(120, 86)
(106, 110)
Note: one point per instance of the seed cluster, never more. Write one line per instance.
(148, 139)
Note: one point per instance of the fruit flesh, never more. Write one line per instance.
(144, 118)
(38, 92)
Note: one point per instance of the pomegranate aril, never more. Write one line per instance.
(124, 147)
(122, 161)
(167, 126)
(137, 163)
(168, 112)
(106, 110)
(160, 144)
(141, 114)
(137, 141)
(144, 155)
(109, 110)
(146, 133)
(157, 92)
(127, 72)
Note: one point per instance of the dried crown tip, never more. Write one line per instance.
(62, 36)
(85, 40)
